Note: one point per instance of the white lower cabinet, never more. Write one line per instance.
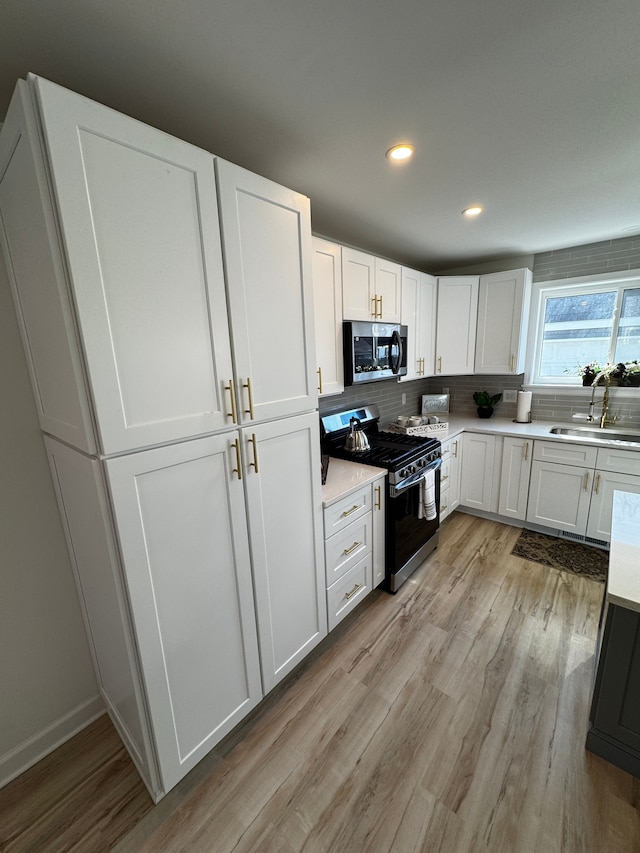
(517, 454)
(572, 486)
(479, 482)
(281, 474)
(378, 520)
(450, 476)
(354, 548)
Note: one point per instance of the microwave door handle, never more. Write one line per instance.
(396, 340)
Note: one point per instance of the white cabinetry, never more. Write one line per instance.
(354, 530)
(371, 287)
(480, 471)
(503, 307)
(450, 476)
(456, 325)
(419, 297)
(266, 232)
(327, 303)
(348, 553)
(378, 513)
(561, 482)
(517, 454)
(211, 586)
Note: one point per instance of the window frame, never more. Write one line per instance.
(618, 281)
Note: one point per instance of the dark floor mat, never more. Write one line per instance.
(560, 554)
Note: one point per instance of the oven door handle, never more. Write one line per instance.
(414, 478)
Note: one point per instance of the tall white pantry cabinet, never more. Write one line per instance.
(165, 303)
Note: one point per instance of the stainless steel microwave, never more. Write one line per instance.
(373, 351)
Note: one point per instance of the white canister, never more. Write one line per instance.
(402, 420)
(415, 421)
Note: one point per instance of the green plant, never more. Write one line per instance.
(486, 400)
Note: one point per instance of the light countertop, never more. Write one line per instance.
(623, 585)
(536, 429)
(344, 477)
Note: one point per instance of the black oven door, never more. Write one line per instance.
(410, 537)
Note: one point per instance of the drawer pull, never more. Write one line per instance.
(350, 594)
(353, 509)
(444, 478)
(443, 508)
(352, 549)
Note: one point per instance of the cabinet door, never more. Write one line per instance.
(267, 253)
(604, 485)
(181, 523)
(29, 237)
(378, 504)
(327, 303)
(559, 496)
(503, 306)
(419, 315)
(137, 209)
(476, 489)
(456, 325)
(409, 318)
(450, 476)
(282, 482)
(388, 283)
(514, 480)
(358, 285)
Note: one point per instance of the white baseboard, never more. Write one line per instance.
(29, 752)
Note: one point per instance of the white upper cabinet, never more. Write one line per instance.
(327, 303)
(371, 287)
(456, 325)
(139, 222)
(503, 308)
(37, 276)
(419, 292)
(266, 233)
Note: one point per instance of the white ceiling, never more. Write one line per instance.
(531, 109)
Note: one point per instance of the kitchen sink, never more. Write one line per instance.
(623, 436)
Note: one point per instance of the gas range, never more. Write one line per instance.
(404, 456)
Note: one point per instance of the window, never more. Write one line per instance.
(579, 322)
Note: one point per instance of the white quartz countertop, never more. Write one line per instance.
(623, 584)
(535, 430)
(344, 477)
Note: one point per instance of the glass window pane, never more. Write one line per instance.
(577, 330)
(628, 341)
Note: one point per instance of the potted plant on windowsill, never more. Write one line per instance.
(632, 374)
(485, 403)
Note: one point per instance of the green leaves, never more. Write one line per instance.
(486, 400)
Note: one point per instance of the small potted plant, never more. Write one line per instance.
(632, 374)
(611, 374)
(588, 372)
(485, 403)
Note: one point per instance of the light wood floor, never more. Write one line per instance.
(450, 717)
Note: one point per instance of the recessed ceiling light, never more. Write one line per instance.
(472, 211)
(400, 152)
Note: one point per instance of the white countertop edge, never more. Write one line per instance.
(344, 477)
(623, 584)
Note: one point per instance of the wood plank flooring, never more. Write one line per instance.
(450, 717)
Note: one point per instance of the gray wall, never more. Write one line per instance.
(46, 677)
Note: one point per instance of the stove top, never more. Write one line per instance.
(400, 454)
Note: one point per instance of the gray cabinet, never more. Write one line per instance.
(614, 732)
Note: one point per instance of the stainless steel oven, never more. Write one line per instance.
(413, 472)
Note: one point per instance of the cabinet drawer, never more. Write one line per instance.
(618, 461)
(566, 453)
(347, 592)
(344, 549)
(346, 510)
